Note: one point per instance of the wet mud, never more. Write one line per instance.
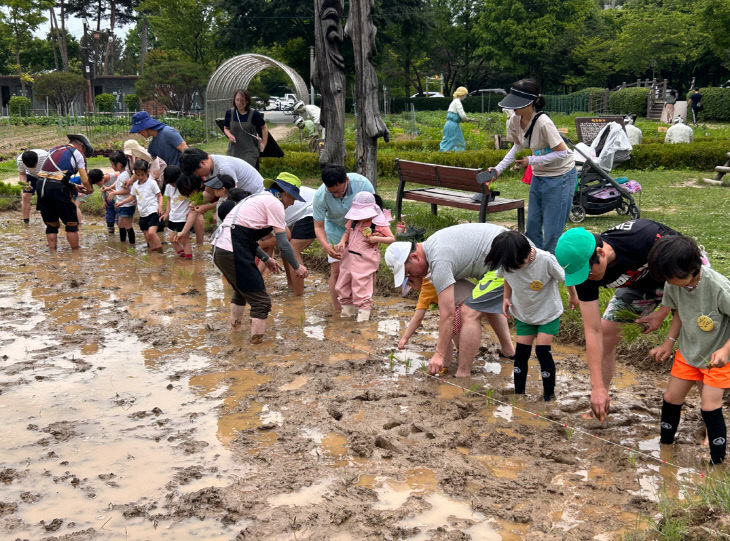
(131, 411)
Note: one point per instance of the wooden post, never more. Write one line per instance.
(329, 77)
(370, 125)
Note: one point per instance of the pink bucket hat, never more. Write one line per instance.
(364, 207)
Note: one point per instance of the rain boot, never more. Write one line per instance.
(363, 315)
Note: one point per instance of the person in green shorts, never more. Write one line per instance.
(531, 296)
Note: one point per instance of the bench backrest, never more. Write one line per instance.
(443, 176)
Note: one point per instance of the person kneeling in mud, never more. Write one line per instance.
(235, 248)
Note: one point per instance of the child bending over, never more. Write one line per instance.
(699, 299)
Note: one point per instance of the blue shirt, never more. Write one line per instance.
(332, 210)
(165, 144)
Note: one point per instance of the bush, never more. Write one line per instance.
(191, 129)
(104, 103)
(715, 103)
(60, 87)
(699, 156)
(20, 106)
(131, 101)
(629, 101)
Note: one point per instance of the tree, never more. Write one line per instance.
(172, 84)
(24, 16)
(523, 37)
(190, 26)
(38, 56)
(60, 87)
(715, 17)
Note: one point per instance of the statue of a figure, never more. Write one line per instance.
(329, 77)
(370, 125)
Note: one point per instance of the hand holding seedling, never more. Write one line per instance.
(718, 359)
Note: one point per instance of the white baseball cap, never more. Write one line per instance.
(395, 257)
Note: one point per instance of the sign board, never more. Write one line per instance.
(588, 128)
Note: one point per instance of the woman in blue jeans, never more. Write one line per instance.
(553, 167)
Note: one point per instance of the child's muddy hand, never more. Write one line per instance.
(718, 358)
(402, 343)
(435, 364)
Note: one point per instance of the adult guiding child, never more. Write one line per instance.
(55, 190)
(235, 247)
(166, 142)
(615, 259)
(554, 175)
(450, 256)
(331, 202)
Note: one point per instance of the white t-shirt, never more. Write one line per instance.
(457, 107)
(245, 175)
(300, 209)
(179, 204)
(33, 171)
(146, 195)
(119, 185)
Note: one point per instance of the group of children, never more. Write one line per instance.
(698, 296)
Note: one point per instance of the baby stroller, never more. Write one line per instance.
(597, 192)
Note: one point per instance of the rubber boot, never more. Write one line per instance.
(363, 315)
(348, 310)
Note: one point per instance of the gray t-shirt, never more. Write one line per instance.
(535, 295)
(710, 299)
(458, 252)
(245, 175)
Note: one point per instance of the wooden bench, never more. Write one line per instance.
(446, 179)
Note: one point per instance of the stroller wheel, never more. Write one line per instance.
(634, 212)
(577, 214)
(623, 209)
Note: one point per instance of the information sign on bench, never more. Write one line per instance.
(589, 127)
(453, 187)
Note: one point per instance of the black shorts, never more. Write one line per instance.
(145, 222)
(175, 226)
(303, 229)
(56, 206)
(30, 188)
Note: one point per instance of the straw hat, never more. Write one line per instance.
(134, 149)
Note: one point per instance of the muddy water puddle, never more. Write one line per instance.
(131, 409)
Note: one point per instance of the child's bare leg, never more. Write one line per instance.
(152, 239)
(258, 326)
(187, 246)
(199, 228)
(711, 398)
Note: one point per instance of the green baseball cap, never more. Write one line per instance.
(573, 251)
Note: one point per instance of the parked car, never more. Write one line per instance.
(428, 94)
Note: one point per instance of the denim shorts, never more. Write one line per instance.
(126, 212)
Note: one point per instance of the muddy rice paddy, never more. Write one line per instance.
(130, 411)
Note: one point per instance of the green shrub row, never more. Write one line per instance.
(20, 106)
(699, 156)
(715, 103)
(104, 102)
(408, 144)
(629, 101)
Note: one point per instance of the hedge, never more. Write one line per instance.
(104, 102)
(19, 106)
(699, 156)
(629, 101)
(715, 103)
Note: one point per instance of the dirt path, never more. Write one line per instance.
(131, 411)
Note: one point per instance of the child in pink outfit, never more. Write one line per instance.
(367, 227)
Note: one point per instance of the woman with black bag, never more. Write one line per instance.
(246, 129)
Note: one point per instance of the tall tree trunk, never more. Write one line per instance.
(54, 41)
(142, 44)
(61, 34)
(329, 77)
(110, 38)
(370, 125)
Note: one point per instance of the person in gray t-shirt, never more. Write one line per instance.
(452, 254)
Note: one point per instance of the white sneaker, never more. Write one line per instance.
(363, 315)
(348, 310)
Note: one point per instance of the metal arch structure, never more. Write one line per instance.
(237, 72)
